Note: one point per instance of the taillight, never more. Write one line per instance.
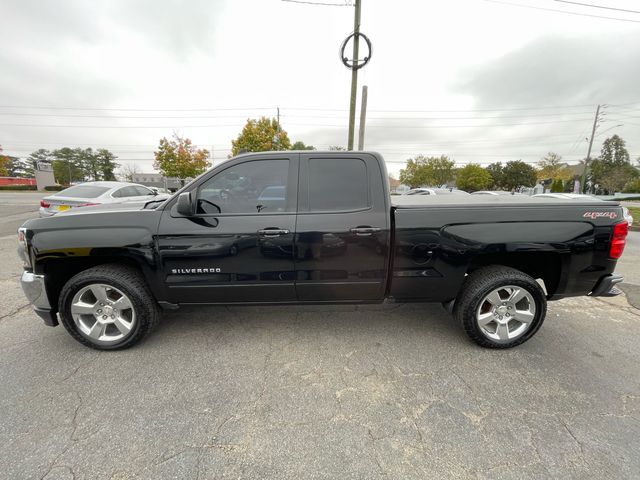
(619, 239)
(44, 204)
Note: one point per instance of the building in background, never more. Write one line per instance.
(16, 181)
(156, 180)
(396, 187)
(44, 175)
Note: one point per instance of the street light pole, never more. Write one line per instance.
(354, 75)
(363, 117)
(586, 162)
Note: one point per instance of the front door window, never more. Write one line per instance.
(246, 188)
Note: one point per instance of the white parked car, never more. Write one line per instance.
(435, 191)
(494, 193)
(96, 193)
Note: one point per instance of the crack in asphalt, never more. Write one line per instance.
(18, 310)
(72, 440)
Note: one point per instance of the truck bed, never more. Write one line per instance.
(439, 239)
(422, 201)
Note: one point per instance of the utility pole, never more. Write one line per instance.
(363, 116)
(586, 162)
(354, 74)
(278, 108)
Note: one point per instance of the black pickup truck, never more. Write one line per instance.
(317, 227)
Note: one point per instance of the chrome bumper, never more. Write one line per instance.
(35, 291)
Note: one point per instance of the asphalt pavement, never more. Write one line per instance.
(15, 208)
(390, 391)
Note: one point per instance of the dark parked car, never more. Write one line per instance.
(332, 234)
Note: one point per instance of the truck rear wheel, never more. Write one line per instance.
(500, 307)
(108, 307)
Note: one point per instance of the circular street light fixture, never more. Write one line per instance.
(355, 64)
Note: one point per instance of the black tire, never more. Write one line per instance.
(480, 284)
(130, 282)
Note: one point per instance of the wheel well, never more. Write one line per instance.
(544, 266)
(58, 272)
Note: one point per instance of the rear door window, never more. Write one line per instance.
(338, 184)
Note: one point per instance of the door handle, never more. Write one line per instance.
(273, 232)
(364, 231)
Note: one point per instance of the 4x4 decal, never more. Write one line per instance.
(594, 215)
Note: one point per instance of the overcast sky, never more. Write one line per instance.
(477, 80)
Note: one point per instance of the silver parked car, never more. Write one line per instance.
(96, 193)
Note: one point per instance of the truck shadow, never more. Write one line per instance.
(344, 324)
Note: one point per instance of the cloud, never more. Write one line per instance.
(172, 26)
(559, 71)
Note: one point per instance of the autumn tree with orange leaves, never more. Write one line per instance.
(180, 158)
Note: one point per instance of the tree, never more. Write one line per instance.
(262, 135)
(557, 186)
(40, 156)
(473, 177)
(337, 148)
(88, 163)
(552, 168)
(612, 169)
(68, 165)
(495, 170)
(632, 186)
(301, 146)
(128, 170)
(179, 158)
(20, 168)
(615, 179)
(106, 164)
(516, 174)
(4, 164)
(614, 151)
(427, 171)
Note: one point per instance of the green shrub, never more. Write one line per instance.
(557, 186)
(18, 187)
(54, 188)
(632, 186)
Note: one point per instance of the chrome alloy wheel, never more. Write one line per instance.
(103, 313)
(506, 313)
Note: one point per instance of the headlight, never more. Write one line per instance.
(23, 249)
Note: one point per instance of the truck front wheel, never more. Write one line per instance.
(500, 307)
(108, 307)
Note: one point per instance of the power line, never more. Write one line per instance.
(319, 3)
(561, 11)
(314, 125)
(450, 111)
(51, 107)
(482, 140)
(591, 5)
(190, 117)
(273, 109)
(445, 118)
(75, 115)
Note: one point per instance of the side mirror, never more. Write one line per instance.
(185, 205)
